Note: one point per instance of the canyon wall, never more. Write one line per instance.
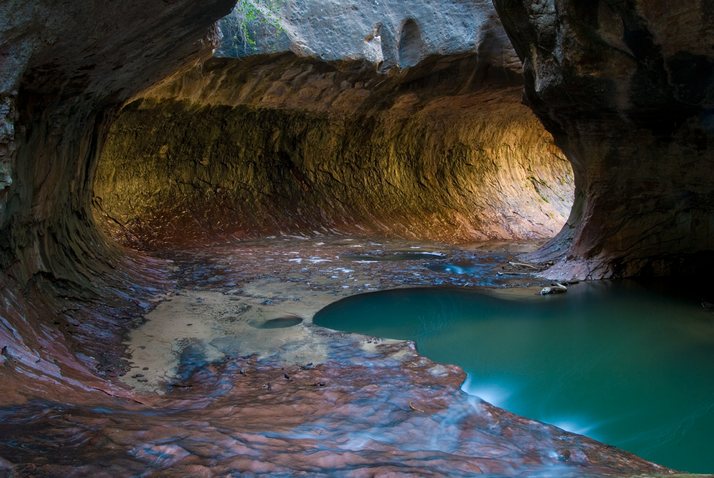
(383, 118)
(281, 144)
(627, 89)
(66, 69)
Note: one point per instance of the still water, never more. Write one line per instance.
(616, 362)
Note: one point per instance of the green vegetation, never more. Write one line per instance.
(247, 18)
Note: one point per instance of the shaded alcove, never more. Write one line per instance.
(627, 90)
(424, 154)
(411, 44)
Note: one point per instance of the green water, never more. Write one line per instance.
(615, 362)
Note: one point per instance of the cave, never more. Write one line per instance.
(319, 238)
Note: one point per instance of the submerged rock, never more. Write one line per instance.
(554, 289)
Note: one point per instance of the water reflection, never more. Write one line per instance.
(617, 362)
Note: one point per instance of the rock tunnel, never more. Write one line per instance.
(128, 131)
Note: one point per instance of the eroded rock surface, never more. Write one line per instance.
(627, 89)
(67, 297)
(316, 402)
(424, 137)
(282, 144)
(394, 34)
(383, 410)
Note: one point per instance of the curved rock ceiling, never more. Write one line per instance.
(345, 141)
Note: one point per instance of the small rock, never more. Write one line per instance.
(554, 289)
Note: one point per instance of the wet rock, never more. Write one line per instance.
(281, 322)
(383, 415)
(59, 89)
(554, 289)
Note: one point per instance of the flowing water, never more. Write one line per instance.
(613, 361)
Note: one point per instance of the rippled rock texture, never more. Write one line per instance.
(284, 144)
(384, 413)
(342, 404)
(627, 89)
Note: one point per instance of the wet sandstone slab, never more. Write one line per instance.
(357, 415)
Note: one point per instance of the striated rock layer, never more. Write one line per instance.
(627, 89)
(285, 144)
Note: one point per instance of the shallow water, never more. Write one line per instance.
(250, 297)
(627, 366)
